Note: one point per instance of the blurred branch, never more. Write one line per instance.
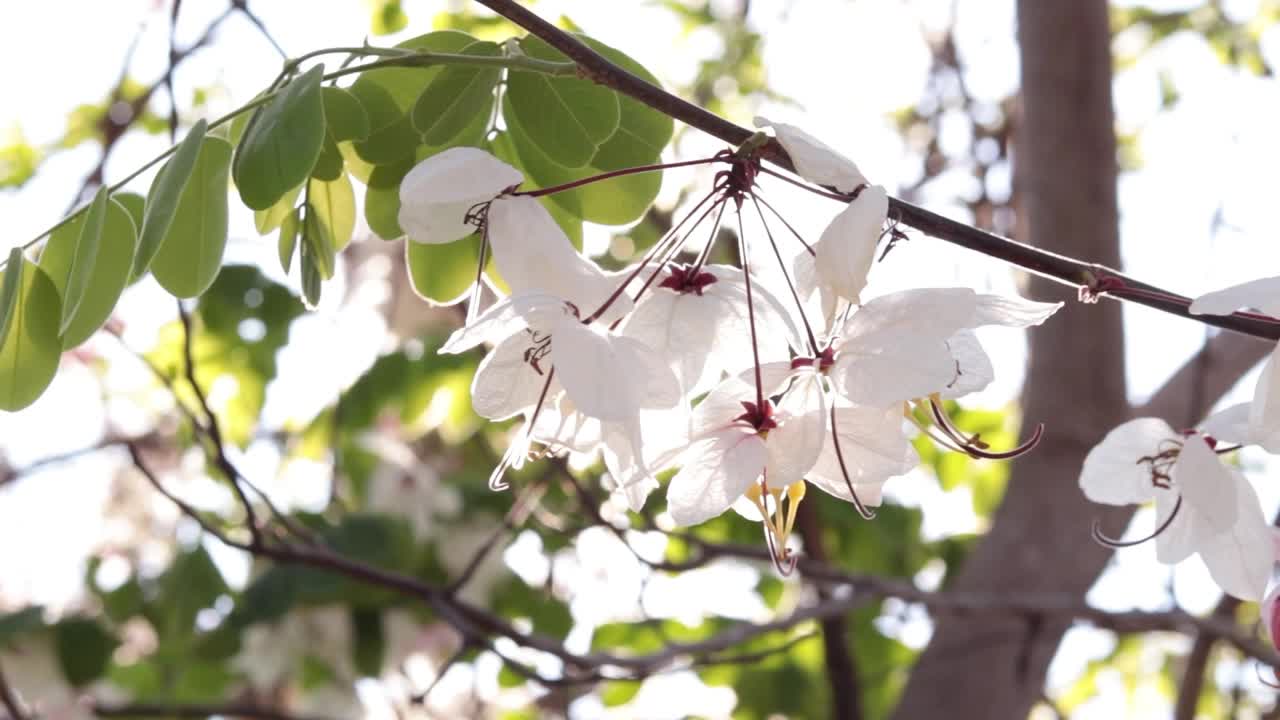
(841, 665)
(1091, 279)
(1198, 662)
(196, 712)
(9, 701)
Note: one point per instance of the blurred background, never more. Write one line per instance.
(345, 411)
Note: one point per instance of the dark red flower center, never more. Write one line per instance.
(760, 417)
(687, 279)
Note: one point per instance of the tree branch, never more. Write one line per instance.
(841, 665)
(1091, 278)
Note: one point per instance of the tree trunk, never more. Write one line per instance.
(1040, 540)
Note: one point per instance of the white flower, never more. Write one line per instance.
(737, 442)
(814, 160)
(438, 193)
(915, 343)
(1263, 424)
(1202, 505)
(698, 321)
(844, 253)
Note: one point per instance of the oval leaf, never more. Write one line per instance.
(456, 96)
(282, 142)
(387, 95)
(9, 288)
(83, 259)
(333, 206)
(30, 349)
(442, 274)
(311, 276)
(288, 240)
(568, 118)
(344, 118)
(191, 253)
(267, 220)
(109, 274)
(162, 198)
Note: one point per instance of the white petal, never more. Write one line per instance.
(873, 448)
(587, 363)
(1240, 560)
(795, 444)
(1206, 487)
(847, 247)
(814, 160)
(1229, 425)
(1181, 538)
(1112, 474)
(913, 368)
(1264, 411)
(437, 193)
(716, 471)
(927, 313)
(1011, 311)
(1263, 294)
(718, 409)
(973, 370)
(682, 329)
(561, 425)
(498, 322)
(632, 477)
(534, 255)
(504, 384)
(637, 363)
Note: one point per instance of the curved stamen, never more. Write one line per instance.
(619, 173)
(866, 513)
(842, 197)
(808, 248)
(1102, 539)
(1257, 670)
(751, 308)
(520, 446)
(974, 446)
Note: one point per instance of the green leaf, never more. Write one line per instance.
(387, 17)
(333, 208)
(456, 95)
(387, 95)
(568, 118)
(311, 275)
(84, 650)
(282, 142)
(30, 348)
(442, 274)
(569, 221)
(9, 288)
(288, 240)
(267, 220)
(344, 117)
(382, 199)
(191, 584)
(616, 201)
(191, 251)
(83, 259)
(642, 131)
(163, 197)
(108, 276)
(134, 204)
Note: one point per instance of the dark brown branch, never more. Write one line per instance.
(1082, 275)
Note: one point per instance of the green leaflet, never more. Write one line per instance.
(288, 240)
(108, 276)
(191, 251)
(9, 288)
(30, 348)
(282, 142)
(388, 94)
(267, 220)
(345, 120)
(568, 118)
(82, 262)
(333, 207)
(442, 274)
(162, 198)
(455, 97)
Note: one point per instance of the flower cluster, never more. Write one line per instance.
(1203, 506)
(746, 388)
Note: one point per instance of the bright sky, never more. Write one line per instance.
(1198, 216)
